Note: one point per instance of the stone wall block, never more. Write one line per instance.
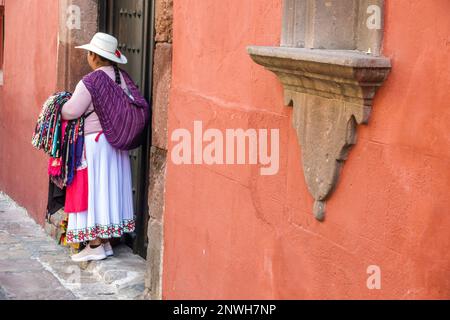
(158, 160)
(162, 77)
(163, 20)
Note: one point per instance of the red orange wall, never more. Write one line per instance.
(2, 11)
(232, 233)
(29, 78)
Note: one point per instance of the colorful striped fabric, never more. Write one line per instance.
(62, 140)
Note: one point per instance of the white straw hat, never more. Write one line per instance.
(105, 45)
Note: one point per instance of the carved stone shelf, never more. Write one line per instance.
(332, 91)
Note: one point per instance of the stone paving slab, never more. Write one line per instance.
(36, 284)
(34, 267)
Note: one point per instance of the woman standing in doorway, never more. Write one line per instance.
(109, 211)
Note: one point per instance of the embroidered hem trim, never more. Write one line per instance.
(100, 231)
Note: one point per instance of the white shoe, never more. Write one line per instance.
(90, 254)
(108, 249)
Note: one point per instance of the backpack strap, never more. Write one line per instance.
(139, 101)
(88, 114)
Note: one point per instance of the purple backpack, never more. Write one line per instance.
(123, 119)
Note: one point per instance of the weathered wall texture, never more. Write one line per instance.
(231, 233)
(29, 76)
(72, 62)
(162, 76)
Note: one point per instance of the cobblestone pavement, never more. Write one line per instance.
(34, 266)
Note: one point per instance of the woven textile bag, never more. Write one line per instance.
(123, 119)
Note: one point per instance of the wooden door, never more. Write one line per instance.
(130, 21)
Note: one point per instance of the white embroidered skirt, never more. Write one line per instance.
(110, 201)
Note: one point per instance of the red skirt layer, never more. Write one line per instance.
(77, 193)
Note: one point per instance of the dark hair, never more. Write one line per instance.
(117, 72)
(114, 64)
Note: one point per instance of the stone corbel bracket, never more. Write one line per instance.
(331, 91)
